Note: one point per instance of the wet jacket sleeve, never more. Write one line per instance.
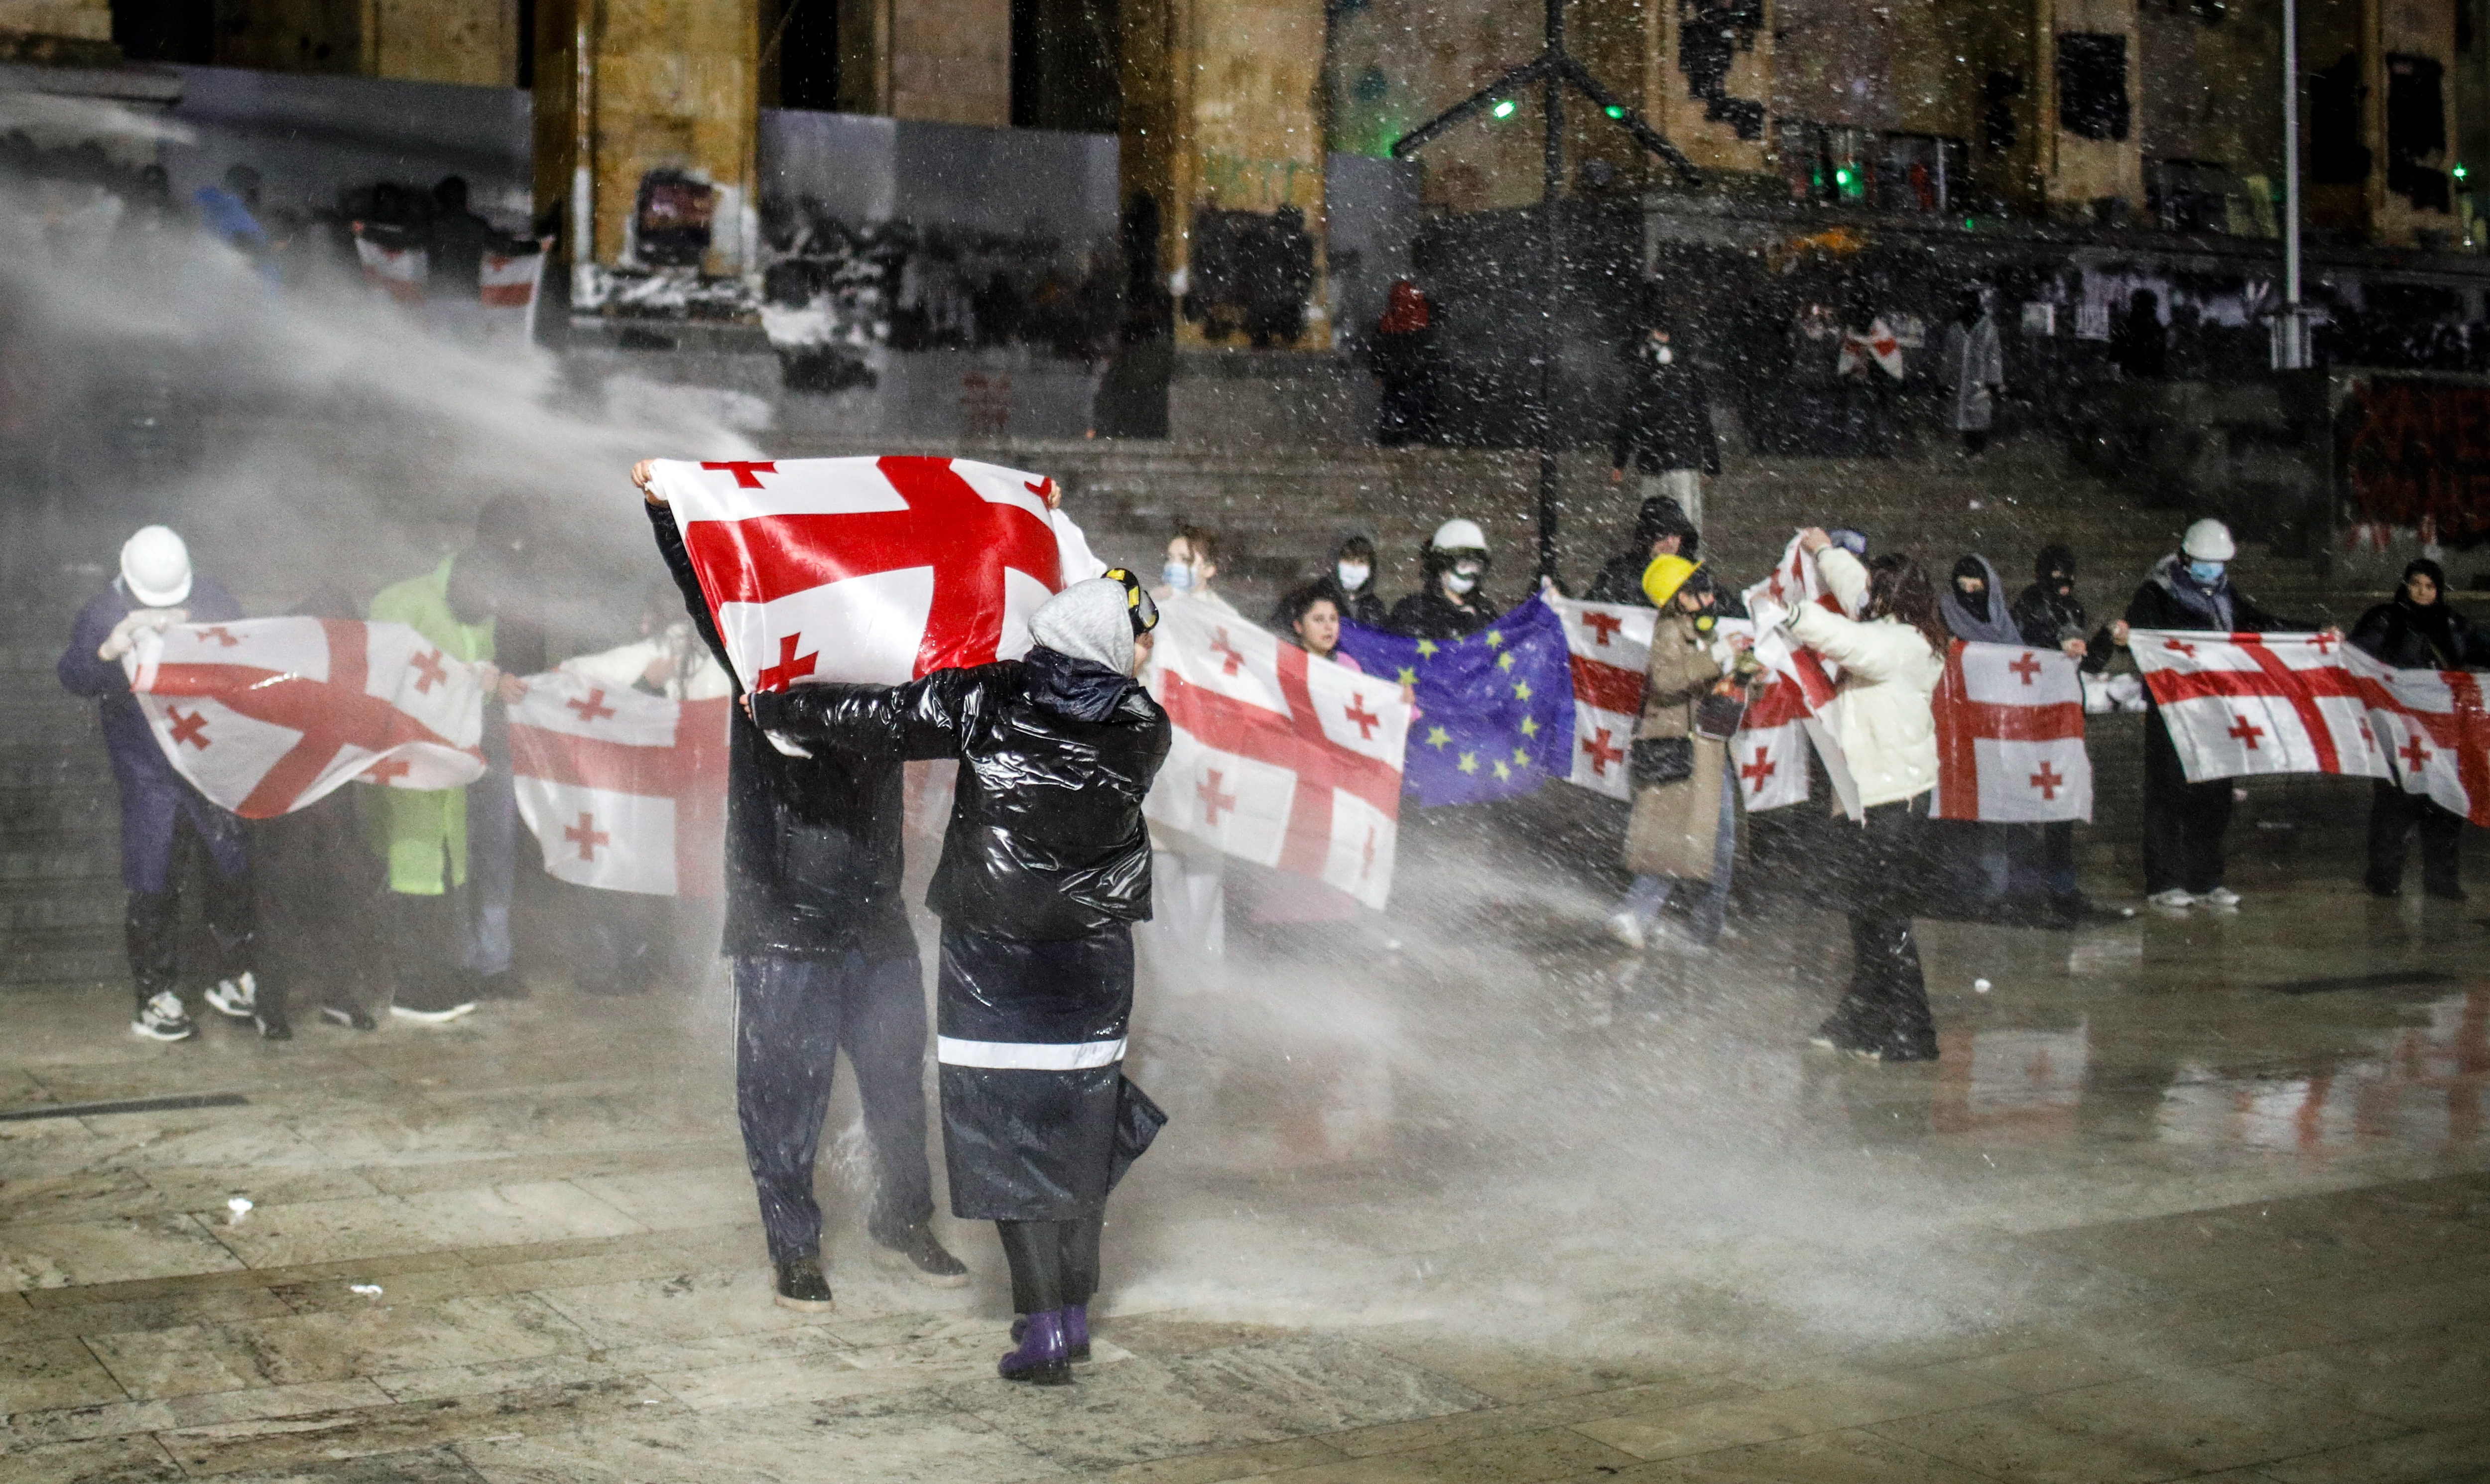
(2374, 634)
(82, 673)
(2253, 620)
(679, 561)
(920, 720)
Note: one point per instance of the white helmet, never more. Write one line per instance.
(2209, 541)
(155, 566)
(1457, 534)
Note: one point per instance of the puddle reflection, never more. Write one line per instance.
(2422, 1090)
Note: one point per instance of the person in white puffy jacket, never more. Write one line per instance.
(1890, 661)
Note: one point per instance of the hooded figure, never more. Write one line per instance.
(1454, 563)
(164, 822)
(2417, 631)
(2047, 612)
(2183, 822)
(1974, 604)
(1661, 529)
(1046, 867)
(1974, 367)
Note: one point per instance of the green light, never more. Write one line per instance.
(1503, 109)
(1841, 178)
(1618, 111)
(2461, 172)
(1970, 223)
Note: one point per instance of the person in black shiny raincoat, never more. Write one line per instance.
(823, 959)
(1046, 867)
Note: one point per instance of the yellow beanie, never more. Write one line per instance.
(1665, 576)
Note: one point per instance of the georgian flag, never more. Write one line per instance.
(1282, 759)
(2243, 705)
(624, 790)
(1769, 753)
(875, 570)
(2009, 724)
(1610, 647)
(2434, 732)
(508, 280)
(399, 271)
(269, 715)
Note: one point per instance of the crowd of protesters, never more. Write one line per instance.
(1047, 866)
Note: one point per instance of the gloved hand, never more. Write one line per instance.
(125, 634)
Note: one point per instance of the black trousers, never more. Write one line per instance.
(1886, 1008)
(1054, 1264)
(2183, 822)
(2394, 817)
(152, 921)
(793, 1016)
(424, 937)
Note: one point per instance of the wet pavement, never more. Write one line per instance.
(2186, 1197)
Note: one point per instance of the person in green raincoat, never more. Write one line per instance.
(423, 833)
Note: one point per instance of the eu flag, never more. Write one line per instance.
(1495, 710)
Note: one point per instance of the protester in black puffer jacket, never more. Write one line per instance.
(2416, 631)
(1046, 867)
(823, 958)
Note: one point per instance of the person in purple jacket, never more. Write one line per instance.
(165, 824)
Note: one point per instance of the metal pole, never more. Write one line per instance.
(1551, 187)
(2292, 354)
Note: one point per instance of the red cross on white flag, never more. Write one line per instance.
(2010, 725)
(1610, 647)
(625, 790)
(269, 715)
(1285, 760)
(2240, 705)
(1769, 749)
(2434, 732)
(866, 570)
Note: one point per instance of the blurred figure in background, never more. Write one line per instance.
(1192, 570)
(168, 829)
(1348, 578)
(2417, 631)
(1403, 354)
(1664, 430)
(1975, 368)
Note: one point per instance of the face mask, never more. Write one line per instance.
(2207, 572)
(1353, 575)
(1178, 575)
(1459, 584)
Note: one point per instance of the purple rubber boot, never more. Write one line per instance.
(1041, 1359)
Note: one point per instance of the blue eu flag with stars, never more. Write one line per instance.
(1495, 710)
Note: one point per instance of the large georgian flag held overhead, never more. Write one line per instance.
(267, 715)
(624, 790)
(2010, 726)
(875, 570)
(1282, 759)
(2241, 705)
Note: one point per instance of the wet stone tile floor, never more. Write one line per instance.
(1498, 1206)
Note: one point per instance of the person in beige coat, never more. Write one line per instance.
(1685, 824)
(1884, 720)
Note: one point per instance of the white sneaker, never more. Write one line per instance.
(1627, 928)
(433, 1017)
(2222, 896)
(162, 1019)
(2174, 897)
(238, 998)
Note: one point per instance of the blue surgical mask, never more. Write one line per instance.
(2206, 572)
(1178, 575)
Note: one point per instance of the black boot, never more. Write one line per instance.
(802, 1285)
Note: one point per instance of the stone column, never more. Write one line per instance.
(1222, 113)
(2078, 168)
(669, 85)
(2407, 53)
(947, 61)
